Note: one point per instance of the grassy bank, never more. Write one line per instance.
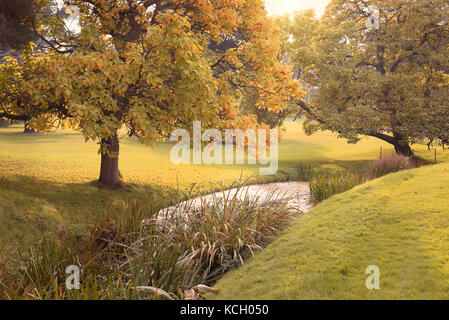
(399, 223)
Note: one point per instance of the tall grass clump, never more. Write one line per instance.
(325, 185)
(304, 172)
(387, 165)
(135, 250)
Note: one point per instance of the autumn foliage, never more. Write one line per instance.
(387, 79)
(148, 67)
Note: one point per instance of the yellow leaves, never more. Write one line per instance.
(442, 79)
(10, 60)
(32, 46)
(167, 74)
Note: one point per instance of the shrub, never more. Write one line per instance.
(384, 166)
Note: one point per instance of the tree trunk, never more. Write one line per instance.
(404, 149)
(401, 145)
(28, 130)
(109, 173)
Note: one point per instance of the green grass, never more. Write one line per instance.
(399, 223)
(46, 180)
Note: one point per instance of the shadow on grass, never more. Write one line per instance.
(32, 207)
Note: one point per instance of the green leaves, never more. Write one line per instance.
(376, 81)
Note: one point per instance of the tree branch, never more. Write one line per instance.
(14, 117)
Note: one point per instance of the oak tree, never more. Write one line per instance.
(380, 69)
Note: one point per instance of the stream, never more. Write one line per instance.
(295, 194)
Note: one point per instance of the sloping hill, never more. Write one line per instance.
(399, 223)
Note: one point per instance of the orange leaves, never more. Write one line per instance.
(232, 115)
(246, 119)
(98, 65)
(168, 72)
(181, 53)
(220, 17)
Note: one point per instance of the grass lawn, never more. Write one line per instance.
(399, 223)
(46, 180)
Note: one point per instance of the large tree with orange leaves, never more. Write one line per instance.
(145, 65)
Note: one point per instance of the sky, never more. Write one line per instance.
(279, 7)
(274, 7)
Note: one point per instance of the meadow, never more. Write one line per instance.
(47, 181)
